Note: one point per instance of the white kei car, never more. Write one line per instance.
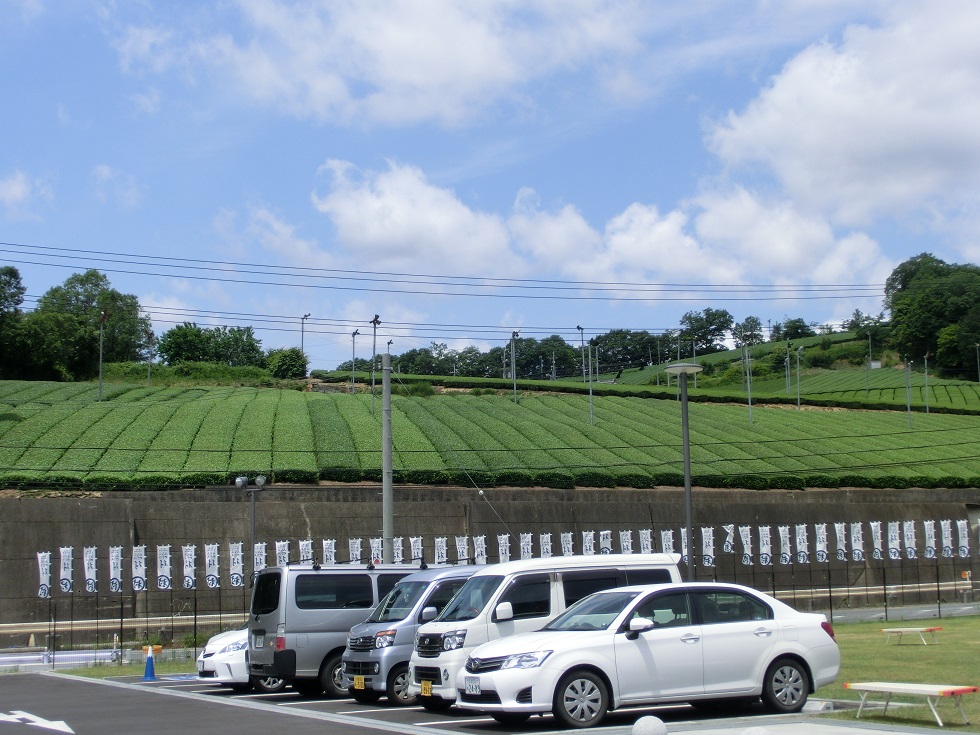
(224, 661)
(701, 643)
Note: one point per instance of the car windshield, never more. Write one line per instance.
(595, 612)
(398, 603)
(471, 598)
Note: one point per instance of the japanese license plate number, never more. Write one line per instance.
(473, 685)
(358, 682)
(426, 688)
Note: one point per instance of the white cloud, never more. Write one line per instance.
(117, 186)
(20, 196)
(553, 240)
(887, 122)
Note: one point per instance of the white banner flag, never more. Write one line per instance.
(376, 550)
(415, 548)
(908, 531)
(605, 542)
(929, 529)
(684, 544)
(567, 547)
(894, 540)
(480, 549)
(877, 541)
(785, 550)
(398, 550)
(646, 541)
(65, 580)
(503, 547)
(707, 546)
(139, 568)
(236, 563)
(164, 572)
(840, 530)
(282, 553)
(354, 550)
(259, 554)
(462, 549)
(88, 557)
(306, 551)
(442, 555)
(728, 546)
(820, 542)
(115, 568)
(626, 542)
(745, 534)
(588, 543)
(765, 546)
(44, 574)
(946, 527)
(527, 545)
(963, 528)
(190, 571)
(329, 551)
(857, 542)
(667, 541)
(802, 544)
(212, 569)
(544, 541)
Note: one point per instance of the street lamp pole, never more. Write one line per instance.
(682, 370)
(242, 483)
(798, 351)
(102, 318)
(302, 333)
(978, 361)
(513, 360)
(353, 352)
(581, 334)
(374, 355)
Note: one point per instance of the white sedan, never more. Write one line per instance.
(701, 643)
(224, 661)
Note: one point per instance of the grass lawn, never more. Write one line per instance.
(160, 668)
(955, 659)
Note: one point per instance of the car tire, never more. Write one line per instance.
(364, 696)
(268, 684)
(307, 687)
(581, 699)
(786, 686)
(398, 682)
(332, 677)
(435, 704)
(510, 718)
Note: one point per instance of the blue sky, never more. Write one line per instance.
(465, 169)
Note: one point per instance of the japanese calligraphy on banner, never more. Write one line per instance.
(354, 550)
(398, 550)
(375, 544)
(88, 558)
(588, 543)
(820, 542)
(876, 540)
(190, 571)
(441, 554)
(527, 542)
(707, 546)
(840, 530)
(282, 552)
(44, 574)
(544, 541)
(894, 541)
(946, 526)
(306, 551)
(785, 551)
(929, 529)
(802, 544)
(480, 549)
(164, 572)
(65, 581)
(212, 574)
(963, 528)
(259, 554)
(745, 533)
(139, 568)
(728, 546)
(908, 531)
(236, 564)
(667, 540)
(329, 551)
(415, 547)
(567, 544)
(626, 542)
(646, 541)
(765, 546)
(857, 542)
(462, 549)
(115, 568)
(684, 543)
(605, 542)
(503, 547)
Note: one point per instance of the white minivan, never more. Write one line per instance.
(514, 597)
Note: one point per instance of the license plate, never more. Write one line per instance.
(358, 682)
(258, 641)
(473, 685)
(426, 688)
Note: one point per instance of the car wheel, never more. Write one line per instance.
(510, 718)
(307, 687)
(786, 686)
(435, 704)
(398, 687)
(268, 684)
(332, 677)
(364, 696)
(581, 699)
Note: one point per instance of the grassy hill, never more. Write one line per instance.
(55, 434)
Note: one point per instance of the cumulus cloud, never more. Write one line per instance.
(21, 196)
(885, 122)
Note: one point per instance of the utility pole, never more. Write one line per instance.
(353, 352)
(581, 334)
(513, 360)
(374, 355)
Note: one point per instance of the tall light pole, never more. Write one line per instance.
(798, 351)
(374, 355)
(353, 352)
(682, 370)
(513, 360)
(978, 361)
(581, 334)
(242, 483)
(102, 317)
(302, 333)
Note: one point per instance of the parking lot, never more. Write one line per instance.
(59, 703)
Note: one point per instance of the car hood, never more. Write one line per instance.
(216, 643)
(528, 642)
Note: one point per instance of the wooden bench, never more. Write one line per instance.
(889, 632)
(932, 693)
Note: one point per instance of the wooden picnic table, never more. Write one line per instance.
(921, 632)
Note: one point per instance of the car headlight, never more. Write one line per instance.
(236, 646)
(384, 638)
(453, 640)
(525, 660)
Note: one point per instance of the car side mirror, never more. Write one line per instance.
(504, 611)
(428, 613)
(637, 626)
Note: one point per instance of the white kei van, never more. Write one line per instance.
(514, 597)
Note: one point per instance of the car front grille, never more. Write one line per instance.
(364, 643)
(428, 673)
(482, 665)
(429, 646)
(487, 696)
(359, 668)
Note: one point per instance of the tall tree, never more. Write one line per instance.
(12, 292)
(748, 332)
(706, 329)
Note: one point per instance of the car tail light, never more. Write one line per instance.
(281, 637)
(828, 628)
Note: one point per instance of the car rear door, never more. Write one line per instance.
(738, 636)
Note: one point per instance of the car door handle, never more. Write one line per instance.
(690, 638)
(762, 632)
